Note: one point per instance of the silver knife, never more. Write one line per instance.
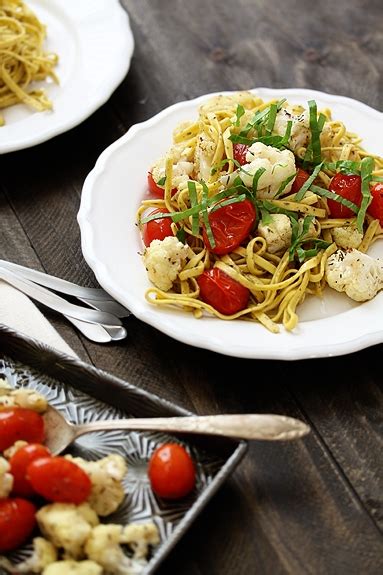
(57, 303)
(95, 297)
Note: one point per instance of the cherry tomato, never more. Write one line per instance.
(171, 471)
(17, 521)
(348, 186)
(157, 190)
(239, 153)
(19, 423)
(375, 209)
(300, 179)
(58, 479)
(230, 226)
(222, 292)
(157, 229)
(19, 463)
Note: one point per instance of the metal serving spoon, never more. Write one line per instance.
(60, 433)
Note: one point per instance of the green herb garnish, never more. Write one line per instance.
(193, 202)
(300, 194)
(284, 185)
(367, 165)
(313, 153)
(161, 181)
(336, 197)
(239, 113)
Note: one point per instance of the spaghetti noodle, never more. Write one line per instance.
(200, 175)
(23, 60)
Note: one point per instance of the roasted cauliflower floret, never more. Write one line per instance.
(277, 233)
(204, 154)
(44, 553)
(347, 237)
(278, 164)
(106, 476)
(139, 536)
(6, 479)
(164, 260)
(23, 397)
(182, 165)
(67, 526)
(103, 547)
(300, 129)
(70, 567)
(355, 273)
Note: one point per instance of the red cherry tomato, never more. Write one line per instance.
(171, 471)
(348, 186)
(300, 179)
(157, 190)
(19, 423)
(58, 479)
(19, 463)
(17, 521)
(222, 292)
(157, 229)
(375, 209)
(230, 226)
(239, 153)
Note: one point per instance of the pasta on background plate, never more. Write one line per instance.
(257, 205)
(23, 61)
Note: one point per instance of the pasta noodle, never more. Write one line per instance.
(200, 173)
(23, 60)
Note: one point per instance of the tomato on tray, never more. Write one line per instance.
(375, 209)
(222, 292)
(17, 521)
(157, 229)
(230, 226)
(301, 177)
(171, 471)
(58, 479)
(349, 186)
(19, 423)
(19, 463)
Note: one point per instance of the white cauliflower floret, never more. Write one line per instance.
(355, 273)
(106, 476)
(277, 233)
(139, 536)
(44, 553)
(300, 129)
(6, 479)
(67, 526)
(279, 165)
(70, 567)
(164, 260)
(23, 397)
(8, 453)
(5, 388)
(182, 165)
(204, 154)
(103, 547)
(347, 237)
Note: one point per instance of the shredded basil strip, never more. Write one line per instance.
(367, 165)
(271, 119)
(256, 177)
(299, 237)
(300, 194)
(259, 119)
(181, 235)
(205, 215)
(193, 202)
(161, 182)
(265, 216)
(284, 185)
(270, 207)
(239, 113)
(286, 137)
(376, 178)
(336, 197)
(316, 126)
(235, 200)
(344, 166)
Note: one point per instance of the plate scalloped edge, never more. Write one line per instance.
(337, 337)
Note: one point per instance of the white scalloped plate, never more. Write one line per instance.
(111, 245)
(95, 44)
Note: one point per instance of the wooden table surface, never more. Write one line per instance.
(309, 507)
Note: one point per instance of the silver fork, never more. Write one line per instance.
(96, 298)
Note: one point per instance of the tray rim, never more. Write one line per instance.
(63, 361)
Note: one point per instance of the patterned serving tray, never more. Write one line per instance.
(85, 394)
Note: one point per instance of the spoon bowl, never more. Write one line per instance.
(60, 433)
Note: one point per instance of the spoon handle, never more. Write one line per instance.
(239, 426)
